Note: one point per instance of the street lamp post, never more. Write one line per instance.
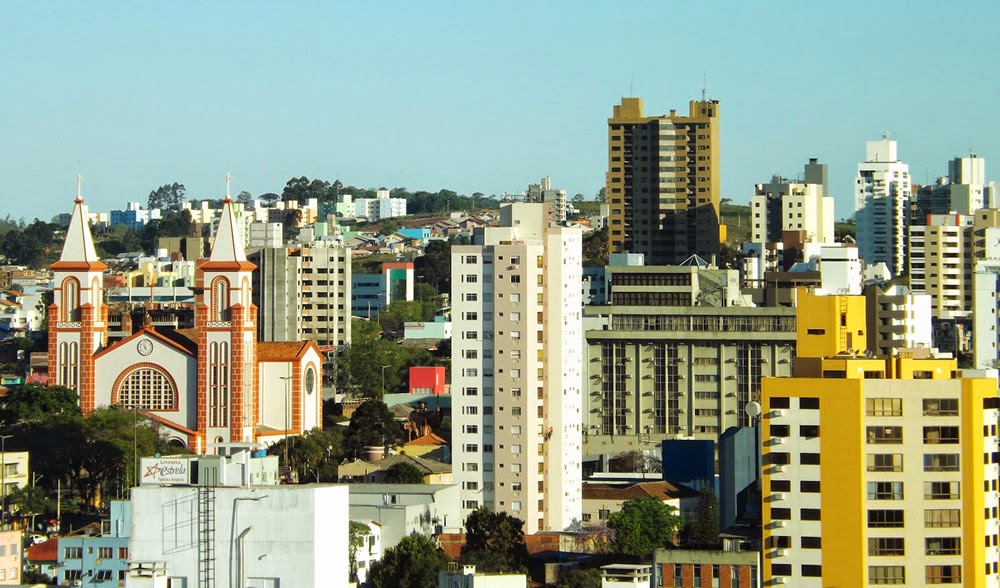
(3, 475)
(288, 426)
(383, 380)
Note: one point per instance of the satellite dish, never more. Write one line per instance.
(753, 409)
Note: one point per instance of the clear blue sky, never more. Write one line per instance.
(472, 96)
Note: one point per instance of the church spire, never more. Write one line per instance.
(78, 251)
(227, 249)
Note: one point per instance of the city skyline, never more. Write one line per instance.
(468, 98)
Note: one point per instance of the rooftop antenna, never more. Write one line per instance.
(631, 87)
(885, 136)
(704, 87)
(229, 178)
(79, 186)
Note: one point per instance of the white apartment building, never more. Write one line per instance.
(881, 205)
(380, 207)
(517, 369)
(556, 199)
(986, 314)
(940, 259)
(786, 206)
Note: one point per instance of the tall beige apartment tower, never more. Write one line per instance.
(663, 182)
(517, 369)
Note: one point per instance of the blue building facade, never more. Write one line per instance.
(739, 496)
(97, 561)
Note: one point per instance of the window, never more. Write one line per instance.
(885, 518)
(471, 259)
(515, 486)
(471, 296)
(809, 487)
(470, 429)
(73, 575)
(471, 504)
(942, 517)
(781, 514)
(470, 466)
(104, 552)
(812, 571)
(885, 546)
(515, 411)
(779, 569)
(809, 431)
(779, 430)
(470, 485)
(148, 389)
(940, 462)
(515, 449)
(940, 407)
(943, 574)
(943, 545)
(884, 407)
(470, 391)
(880, 435)
(809, 403)
(809, 458)
(781, 486)
(885, 462)
(940, 435)
(470, 410)
(471, 278)
(73, 553)
(102, 575)
(603, 514)
(885, 490)
(471, 335)
(779, 402)
(811, 543)
(809, 514)
(471, 448)
(470, 354)
(941, 490)
(123, 553)
(878, 575)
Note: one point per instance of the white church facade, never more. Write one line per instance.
(214, 383)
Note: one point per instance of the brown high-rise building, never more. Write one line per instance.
(663, 182)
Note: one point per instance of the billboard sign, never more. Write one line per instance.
(161, 470)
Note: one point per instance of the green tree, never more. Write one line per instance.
(578, 198)
(494, 541)
(313, 456)
(601, 195)
(291, 223)
(435, 265)
(413, 563)
(642, 525)
(29, 502)
(268, 199)
(703, 529)
(577, 578)
(33, 404)
(116, 439)
(357, 533)
(245, 198)
(167, 197)
(403, 473)
(372, 425)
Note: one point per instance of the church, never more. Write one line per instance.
(210, 384)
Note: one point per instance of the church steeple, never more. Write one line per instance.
(78, 251)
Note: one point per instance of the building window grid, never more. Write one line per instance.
(147, 389)
(748, 376)
(660, 411)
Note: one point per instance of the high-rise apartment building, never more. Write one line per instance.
(793, 212)
(963, 191)
(940, 263)
(663, 182)
(555, 198)
(304, 294)
(517, 373)
(876, 471)
(882, 206)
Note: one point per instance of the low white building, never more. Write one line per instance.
(404, 509)
(380, 207)
(370, 551)
(466, 576)
(264, 536)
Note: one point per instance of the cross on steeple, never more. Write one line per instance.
(79, 186)
(229, 178)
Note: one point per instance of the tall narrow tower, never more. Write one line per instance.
(226, 320)
(77, 315)
(881, 205)
(663, 182)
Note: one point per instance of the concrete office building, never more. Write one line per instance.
(555, 199)
(793, 212)
(663, 182)
(517, 369)
(986, 315)
(656, 372)
(304, 294)
(897, 319)
(882, 206)
(963, 191)
(379, 208)
(876, 471)
(940, 264)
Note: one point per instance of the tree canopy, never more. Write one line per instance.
(313, 456)
(372, 425)
(403, 473)
(494, 542)
(435, 265)
(167, 197)
(642, 525)
(413, 563)
(703, 529)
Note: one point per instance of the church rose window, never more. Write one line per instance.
(147, 388)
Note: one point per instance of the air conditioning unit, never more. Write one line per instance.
(779, 524)
(780, 553)
(776, 441)
(777, 469)
(777, 413)
(778, 496)
(778, 580)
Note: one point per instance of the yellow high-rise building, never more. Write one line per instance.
(663, 182)
(877, 471)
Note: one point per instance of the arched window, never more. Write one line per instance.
(218, 385)
(147, 388)
(71, 300)
(220, 300)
